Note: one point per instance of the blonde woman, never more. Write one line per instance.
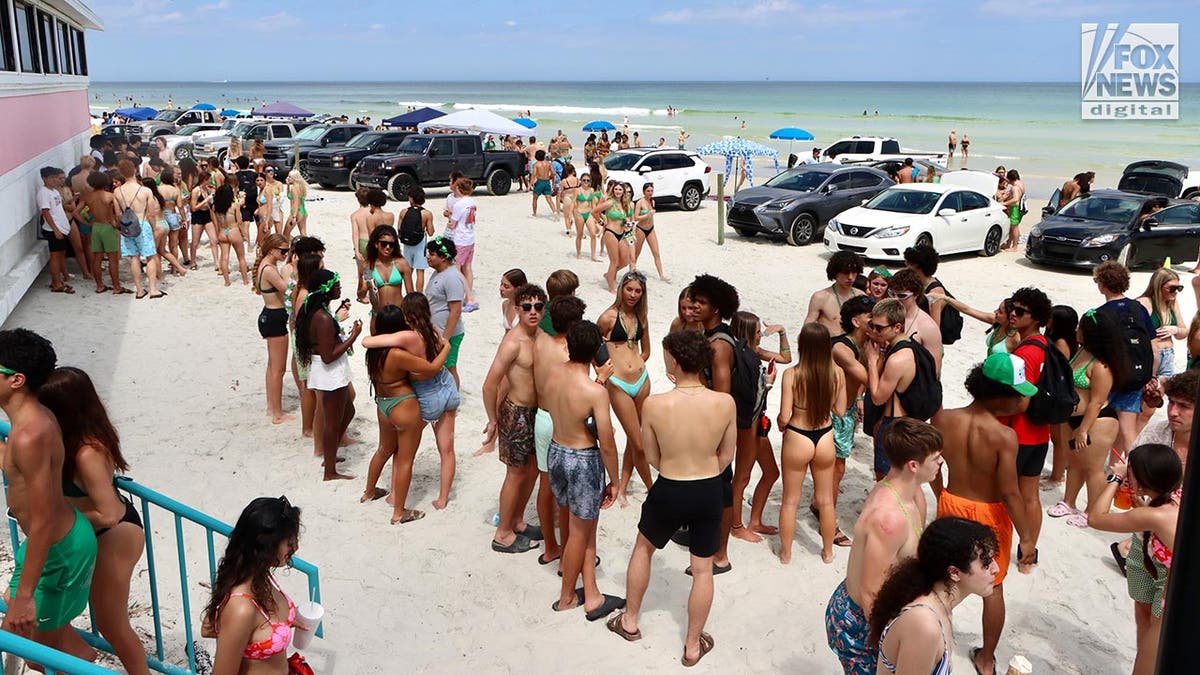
(811, 389)
(585, 195)
(297, 192)
(1161, 300)
(258, 151)
(615, 212)
(235, 151)
(273, 319)
(202, 217)
(627, 331)
(644, 232)
(278, 201)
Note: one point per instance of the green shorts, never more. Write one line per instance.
(843, 432)
(455, 343)
(1014, 215)
(105, 239)
(62, 591)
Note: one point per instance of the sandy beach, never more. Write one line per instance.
(183, 380)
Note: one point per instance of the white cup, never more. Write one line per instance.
(308, 618)
(1019, 665)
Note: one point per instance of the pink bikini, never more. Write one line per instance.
(281, 631)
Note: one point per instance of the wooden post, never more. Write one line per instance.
(720, 209)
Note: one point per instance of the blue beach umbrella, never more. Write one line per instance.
(730, 148)
(139, 114)
(230, 112)
(525, 122)
(790, 134)
(599, 125)
(204, 106)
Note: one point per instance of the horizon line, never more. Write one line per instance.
(613, 81)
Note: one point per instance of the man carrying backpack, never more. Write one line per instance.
(906, 287)
(924, 261)
(1028, 311)
(1112, 278)
(902, 381)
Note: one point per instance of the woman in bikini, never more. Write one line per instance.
(273, 319)
(685, 319)
(308, 254)
(509, 283)
(568, 190)
(1161, 301)
(811, 389)
(615, 211)
(644, 229)
(398, 411)
(174, 199)
(1000, 337)
(437, 391)
(92, 460)
(228, 221)
(297, 193)
(585, 195)
(156, 212)
(360, 234)
(279, 203)
(1097, 368)
(627, 331)
(1154, 472)
(389, 271)
(248, 613)
(202, 218)
(262, 212)
(749, 328)
(258, 151)
(912, 616)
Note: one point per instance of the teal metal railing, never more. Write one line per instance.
(52, 660)
(181, 512)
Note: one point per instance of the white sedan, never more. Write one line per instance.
(956, 215)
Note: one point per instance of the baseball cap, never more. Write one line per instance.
(1010, 370)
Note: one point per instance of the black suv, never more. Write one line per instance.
(331, 167)
(279, 153)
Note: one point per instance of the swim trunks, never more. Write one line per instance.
(541, 186)
(577, 479)
(882, 465)
(455, 344)
(141, 245)
(1014, 215)
(62, 591)
(847, 632)
(105, 238)
(543, 431)
(1031, 459)
(415, 255)
(843, 431)
(437, 395)
(466, 253)
(56, 245)
(514, 428)
(992, 514)
(696, 504)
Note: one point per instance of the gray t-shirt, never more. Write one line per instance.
(443, 288)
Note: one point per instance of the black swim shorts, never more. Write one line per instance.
(696, 504)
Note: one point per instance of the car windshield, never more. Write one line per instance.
(242, 128)
(168, 115)
(188, 130)
(228, 124)
(800, 181)
(363, 140)
(621, 161)
(312, 133)
(1108, 209)
(904, 201)
(416, 145)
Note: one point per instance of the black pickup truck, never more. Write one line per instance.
(428, 160)
(279, 153)
(331, 167)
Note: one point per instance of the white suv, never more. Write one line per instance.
(679, 177)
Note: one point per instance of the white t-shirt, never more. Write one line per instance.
(463, 217)
(52, 200)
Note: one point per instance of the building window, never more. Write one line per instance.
(79, 53)
(64, 49)
(27, 38)
(49, 46)
(7, 55)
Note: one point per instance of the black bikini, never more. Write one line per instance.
(814, 435)
(623, 336)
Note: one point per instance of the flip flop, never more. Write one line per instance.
(578, 596)
(560, 571)
(614, 624)
(520, 544)
(66, 288)
(102, 290)
(158, 295)
(532, 532)
(1116, 553)
(542, 559)
(975, 651)
(141, 295)
(706, 645)
(611, 604)
(717, 569)
(121, 290)
(840, 539)
(380, 493)
(409, 516)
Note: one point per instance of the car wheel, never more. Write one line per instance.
(304, 170)
(221, 155)
(924, 240)
(744, 232)
(991, 243)
(1125, 255)
(400, 185)
(181, 152)
(499, 182)
(328, 186)
(802, 230)
(690, 199)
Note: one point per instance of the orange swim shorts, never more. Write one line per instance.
(992, 514)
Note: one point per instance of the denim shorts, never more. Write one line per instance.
(1166, 363)
(172, 219)
(1127, 401)
(415, 255)
(437, 395)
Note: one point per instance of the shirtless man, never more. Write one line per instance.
(1012, 206)
(825, 305)
(512, 421)
(52, 576)
(952, 143)
(905, 286)
(542, 175)
(133, 195)
(889, 372)
(981, 457)
(579, 461)
(682, 139)
(847, 354)
(905, 174)
(886, 532)
(924, 261)
(105, 238)
(549, 358)
(359, 237)
(689, 491)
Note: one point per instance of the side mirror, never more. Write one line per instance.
(830, 189)
(864, 201)
(433, 151)
(947, 212)
(644, 169)
(1047, 210)
(1149, 223)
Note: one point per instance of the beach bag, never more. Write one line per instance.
(1056, 397)
(923, 398)
(747, 381)
(1138, 344)
(411, 231)
(129, 224)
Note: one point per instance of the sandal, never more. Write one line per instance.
(1116, 553)
(65, 288)
(614, 624)
(1079, 520)
(141, 294)
(105, 289)
(840, 539)
(121, 290)
(1061, 509)
(706, 645)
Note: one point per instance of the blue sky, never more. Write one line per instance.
(899, 40)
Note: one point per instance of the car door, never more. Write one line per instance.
(467, 157)
(441, 160)
(974, 206)
(949, 231)
(652, 169)
(863, 185)
(839, 192)
(1172, 232)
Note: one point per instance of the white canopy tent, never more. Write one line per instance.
(476, 121)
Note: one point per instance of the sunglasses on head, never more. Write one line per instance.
(532, 306)
(900, 296)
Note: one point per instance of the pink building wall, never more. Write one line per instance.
(36, 123)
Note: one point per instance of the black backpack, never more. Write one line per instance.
(1056, 397)
(747, 381)
(951, 322)
(411, 229)
(1138, 342)
(921, 400)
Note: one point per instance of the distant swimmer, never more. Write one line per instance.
(952, 143)
(966, 144)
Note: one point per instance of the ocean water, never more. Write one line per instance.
(1034, 127)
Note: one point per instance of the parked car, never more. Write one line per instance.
(874, 148)
(428, 160)
(1104, 225)
(117, 131)
(247, 131)
(180, 142)
(331, 167)
(679, 177)
(281, 153)
(1156, 177)
(798, 203)
(171, 120)
(955, 216)
(890, 166)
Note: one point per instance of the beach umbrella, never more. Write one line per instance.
(525, 122)
(412, 119)
(230, 112)
(204, 106)
(791, 134)
(282, 109)
(729, 148)
(475, 121)
(138, 114)
(599, 125)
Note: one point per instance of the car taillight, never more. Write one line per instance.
(707, 169)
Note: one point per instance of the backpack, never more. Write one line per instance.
(921, 400)
(951, 323)
(1138, 343)
(1056, 397)
(747, 381)
(129, 224)
(411, 230)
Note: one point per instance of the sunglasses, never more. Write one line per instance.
(283, 250)
(900, 296)
(386, 243)
(879, 328)
(532, 306)
(1173, 289)
(1017, 310)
